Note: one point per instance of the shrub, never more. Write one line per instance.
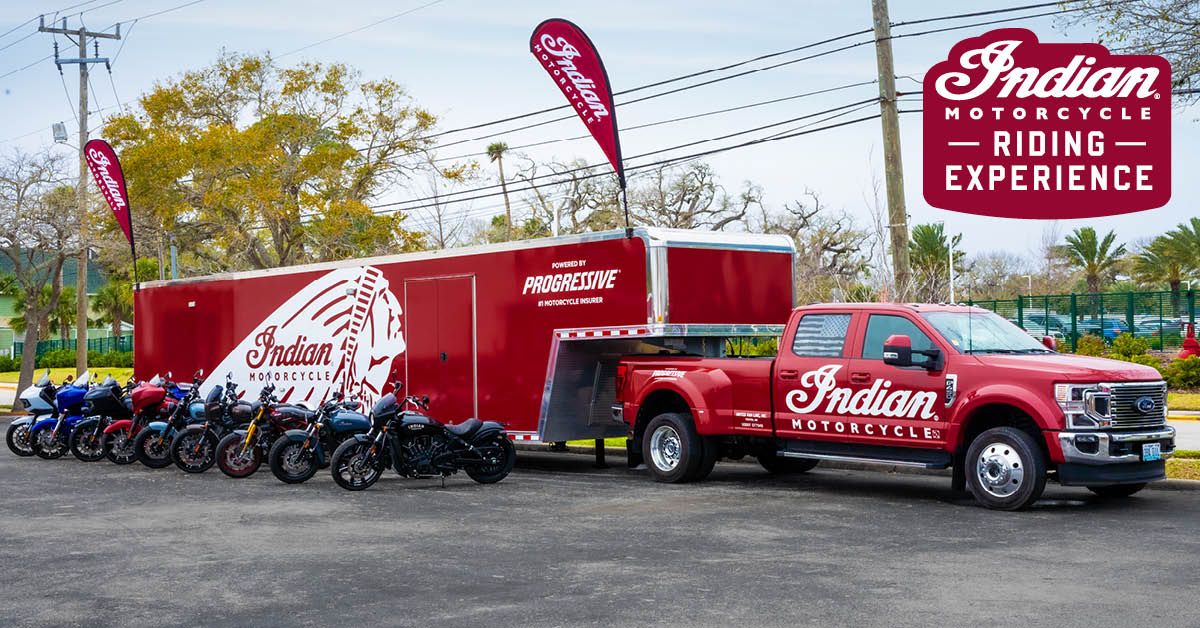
(8, 364)
(58, 358)
(1143, 359)
(1126, 346)
(1183, 373)
(1090, 345)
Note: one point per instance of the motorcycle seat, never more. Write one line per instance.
(465, 429)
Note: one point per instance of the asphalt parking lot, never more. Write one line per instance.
(561, 543)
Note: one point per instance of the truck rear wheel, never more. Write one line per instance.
(674, 452)
(1005, 469)
(779, 465)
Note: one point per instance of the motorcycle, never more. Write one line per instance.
(148, 401)
(50, 437)
(418, 446)
(38, 401)
(106, 402)
(296, 456)
(153, 444)
(241, 452)
(194, 448)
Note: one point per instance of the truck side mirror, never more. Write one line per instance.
(897, 350)
(1050, 343)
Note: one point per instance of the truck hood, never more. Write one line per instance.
(1080, 368)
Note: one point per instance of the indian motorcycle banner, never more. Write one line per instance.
(106, 169)
(1017, 128)
(571, 60)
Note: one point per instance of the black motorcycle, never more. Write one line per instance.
(194, 448)
(104, 403)
(297, 454)
(418, 446)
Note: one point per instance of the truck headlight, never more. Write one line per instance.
(1085, 406)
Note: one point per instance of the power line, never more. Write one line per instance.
(361, 28)
(17, 28)
(932, 31)
(157, 13)
(15, 42)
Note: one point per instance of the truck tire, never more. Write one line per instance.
(674, 452)
(779, 465)
(1117, 490)
(1005, 469)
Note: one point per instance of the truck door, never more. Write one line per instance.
(440, 358)
(808, 372)
(896, 406)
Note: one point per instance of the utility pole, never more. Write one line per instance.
(81, 267)
(892, 167)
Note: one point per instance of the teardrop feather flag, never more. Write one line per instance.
(571, 60)
(106, 169)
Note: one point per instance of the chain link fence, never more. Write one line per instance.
(1158, 317)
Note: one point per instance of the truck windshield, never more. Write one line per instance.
(983, 332)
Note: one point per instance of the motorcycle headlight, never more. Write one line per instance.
(1085, 406)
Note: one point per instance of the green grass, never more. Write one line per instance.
(1183, 400)
(58, 375)
(1185, 469)
(1191, 454)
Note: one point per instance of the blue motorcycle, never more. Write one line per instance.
(297, 454)
(153, 444)
(50, 437)
(38, 401)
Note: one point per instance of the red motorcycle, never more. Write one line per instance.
(152, 400)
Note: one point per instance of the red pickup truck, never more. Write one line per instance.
(934, 386)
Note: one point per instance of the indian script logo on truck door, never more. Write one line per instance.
(339, 333)
(879, 400)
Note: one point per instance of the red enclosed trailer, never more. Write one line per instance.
(527, 333)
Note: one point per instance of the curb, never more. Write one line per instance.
(614, 452)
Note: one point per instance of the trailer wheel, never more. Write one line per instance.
(779, 465)
(1005, 469)
(674, 452)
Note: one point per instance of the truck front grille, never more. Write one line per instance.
(1124, 405)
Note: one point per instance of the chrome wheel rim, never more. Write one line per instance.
(47, 441)
(1000, 469)
(91, 445)
(157, 448)
(121, 445)
(358, 468)
(21, 438)
(665, 448)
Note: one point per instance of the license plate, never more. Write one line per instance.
(1151, 452)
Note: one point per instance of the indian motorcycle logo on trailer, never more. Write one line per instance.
(1016, 128)
(821, 395)
(339, 333)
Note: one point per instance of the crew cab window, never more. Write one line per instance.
(880, 326)
(821, 335)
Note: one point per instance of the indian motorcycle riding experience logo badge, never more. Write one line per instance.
(339, 333)
(1017, 128)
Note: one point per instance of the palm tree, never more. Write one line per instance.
(1165, 260)
(928, 254)
(59, 321)
(1186, 237)
(1096, 257)
(495, 152)
(114, 304)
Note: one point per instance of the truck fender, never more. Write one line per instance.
(1020, 398)
(117, 426)
(689, 388)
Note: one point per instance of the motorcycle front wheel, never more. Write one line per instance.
(354, 467)
(235, 459)
(501, 458)
(120, 448)
(48, 445)
(17, 438)
(153, 449)
(89, 445)
(291, 462)
(194, 451)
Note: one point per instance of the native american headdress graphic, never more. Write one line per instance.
(339, 333)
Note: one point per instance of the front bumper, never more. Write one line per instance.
(1105, 448)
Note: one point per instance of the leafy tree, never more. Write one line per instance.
(38, 228)
(929, 255)
(495, 152)
(251, 165)
(113, 304)
(1095, 257)
(1170, 28)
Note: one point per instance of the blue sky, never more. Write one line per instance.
(467, 61)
